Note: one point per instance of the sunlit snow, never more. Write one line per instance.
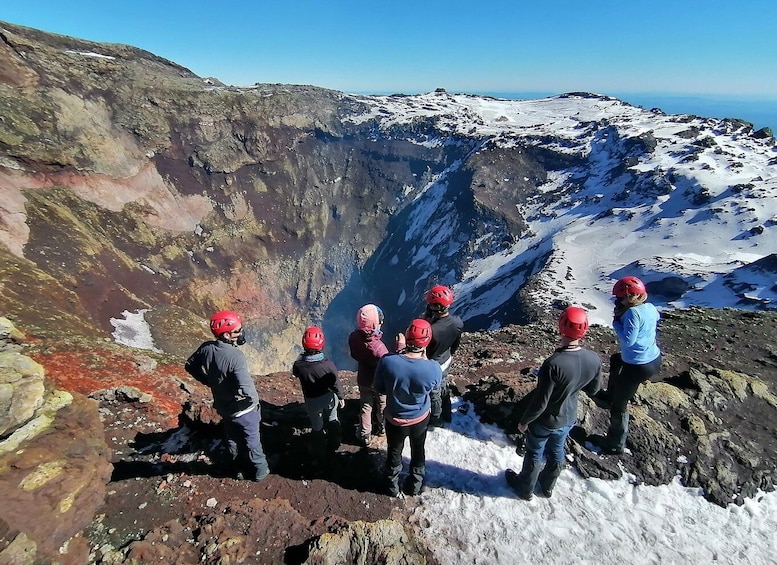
(468, 514)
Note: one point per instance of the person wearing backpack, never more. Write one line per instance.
(321, 389)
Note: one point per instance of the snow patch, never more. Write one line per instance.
(133, 330)
(468, 504)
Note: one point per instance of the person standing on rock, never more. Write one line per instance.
(635, 321)
(407, 380)
(446, 336)
(367, 348)
(320, 384)
(553, 409)
(223, 367)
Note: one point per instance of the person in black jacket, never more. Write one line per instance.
(321, 388)
(446, 335)
(553, 408)
(223, 367)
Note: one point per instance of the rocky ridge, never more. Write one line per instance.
(168, 497)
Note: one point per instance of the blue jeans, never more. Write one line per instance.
(546, 443)
(542, 444)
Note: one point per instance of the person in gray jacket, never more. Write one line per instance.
(223, 367)
(553, 408)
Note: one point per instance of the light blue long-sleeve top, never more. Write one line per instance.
(636, 331)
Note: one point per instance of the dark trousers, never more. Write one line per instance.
(441, 403)
(625, 379)
(244, 444)
(395, 442)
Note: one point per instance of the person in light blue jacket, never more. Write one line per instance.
(635, 322)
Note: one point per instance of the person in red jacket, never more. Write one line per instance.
(367, 348)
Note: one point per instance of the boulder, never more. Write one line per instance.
(54, 465)
(362, 543)
(21, 390)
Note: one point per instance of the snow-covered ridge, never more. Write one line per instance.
(685, 202)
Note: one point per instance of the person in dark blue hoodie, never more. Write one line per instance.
(407, 380)
(635, 321)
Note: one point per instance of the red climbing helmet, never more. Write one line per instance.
(313, 339)
(224, 321)
(440, 295)
(573, 323)
(418, 333)
(629, 285)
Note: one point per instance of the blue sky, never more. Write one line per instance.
(612, 47)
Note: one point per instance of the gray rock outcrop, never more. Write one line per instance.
(53, 464)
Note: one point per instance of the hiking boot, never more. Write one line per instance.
(436, 423)
(378, 430)
(261, 475)
(512, 481)
(547, 492)
(363, 440)
(603, 445)
(410, 491)
(527, 496)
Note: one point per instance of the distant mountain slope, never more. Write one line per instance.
(588, 189)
